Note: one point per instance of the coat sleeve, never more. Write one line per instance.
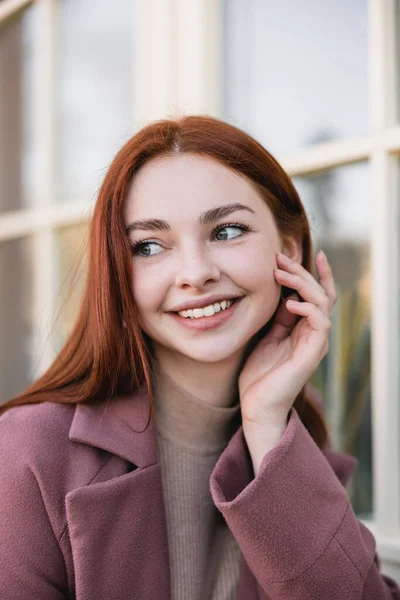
(295, 524)
(31, 562)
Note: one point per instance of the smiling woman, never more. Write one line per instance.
(182, 395)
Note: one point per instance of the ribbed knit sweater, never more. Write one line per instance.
(203, 554)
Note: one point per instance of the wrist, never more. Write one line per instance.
(262, 439)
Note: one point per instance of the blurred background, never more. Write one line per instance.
(316, 82)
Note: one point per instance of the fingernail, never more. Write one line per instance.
(323, 254)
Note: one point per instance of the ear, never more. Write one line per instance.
(292, 249)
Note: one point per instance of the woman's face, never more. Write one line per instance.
(191, 258)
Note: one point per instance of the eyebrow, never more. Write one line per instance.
(210, 216)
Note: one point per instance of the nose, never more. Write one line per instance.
(196, 268)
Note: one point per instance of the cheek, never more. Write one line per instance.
(147, 289)
(255, 270)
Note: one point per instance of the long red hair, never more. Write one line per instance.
(101, 357)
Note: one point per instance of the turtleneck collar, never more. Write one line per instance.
(190, 422)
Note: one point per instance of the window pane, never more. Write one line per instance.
(70, 271)
(17, 62)
(16, 301)
(338, 203)
(94, 91)
(296, 72)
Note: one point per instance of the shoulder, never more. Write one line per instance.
(43, 414)
(33, 430)
(35, 426)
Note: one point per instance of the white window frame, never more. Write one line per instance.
(178, 77)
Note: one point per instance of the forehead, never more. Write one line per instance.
(188, 183)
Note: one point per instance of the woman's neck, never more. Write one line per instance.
(212, 383)
(187, 421)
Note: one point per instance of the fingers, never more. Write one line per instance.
(317, 320)
(305, 289)
(283, 324)
(286, 263)
(326, 277)
(293, 275)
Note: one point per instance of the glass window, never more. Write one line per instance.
(296, 72)
(94, 91)
(16, 320)
(338, 202)
(18, 58)
(70, 271)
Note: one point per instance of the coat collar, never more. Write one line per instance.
(118, 426)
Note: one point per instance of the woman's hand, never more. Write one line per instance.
(284, 360)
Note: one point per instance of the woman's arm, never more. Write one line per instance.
(295, 524)
(31, 562)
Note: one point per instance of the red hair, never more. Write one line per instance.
(101, 357)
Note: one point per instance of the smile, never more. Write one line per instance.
(202, 322)
(207, 311)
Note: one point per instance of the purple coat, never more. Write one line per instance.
(82, 513)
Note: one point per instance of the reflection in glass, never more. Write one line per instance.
(17, 61)
(70, 272)
(338, 203)
(95, 95)
(296, 72)
(16, 321)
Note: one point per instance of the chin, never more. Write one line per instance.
(211, 352)
(209, 357)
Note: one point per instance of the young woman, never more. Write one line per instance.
(172, 450)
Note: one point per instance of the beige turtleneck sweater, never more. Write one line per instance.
(204, 555)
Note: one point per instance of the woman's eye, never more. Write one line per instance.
(138, 246)
(237, 226)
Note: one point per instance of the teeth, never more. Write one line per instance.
(206, 311)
